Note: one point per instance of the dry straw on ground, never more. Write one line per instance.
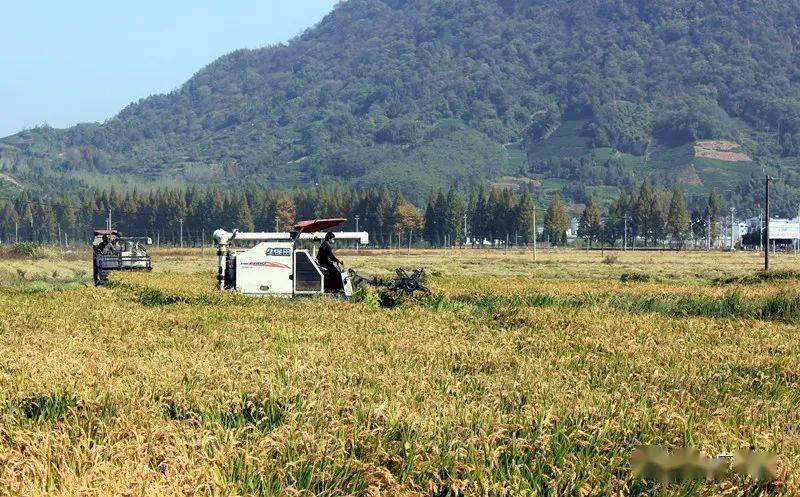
(528, 381)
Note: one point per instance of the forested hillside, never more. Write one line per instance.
(560, 94)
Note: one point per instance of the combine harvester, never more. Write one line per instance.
(113, 252)
(279, 266)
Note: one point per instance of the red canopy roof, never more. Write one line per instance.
(318, 225)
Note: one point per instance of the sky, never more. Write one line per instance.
(65, 62)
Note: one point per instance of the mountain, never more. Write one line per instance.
(564, 94)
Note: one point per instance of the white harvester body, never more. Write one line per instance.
(277, 265)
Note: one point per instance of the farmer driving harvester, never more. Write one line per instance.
(328, 260)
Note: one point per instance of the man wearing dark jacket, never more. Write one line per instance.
(328, 260)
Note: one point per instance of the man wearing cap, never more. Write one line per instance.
(328, 260)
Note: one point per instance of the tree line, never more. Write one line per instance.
(485, 215)
(648, 216)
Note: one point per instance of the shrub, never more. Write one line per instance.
(26, 249)
(634, 277)
(611, 259)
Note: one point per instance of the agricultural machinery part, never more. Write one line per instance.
(409, 284)
(113, 252)
(278, 264)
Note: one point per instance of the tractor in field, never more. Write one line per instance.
(113, 252)
(282, 264)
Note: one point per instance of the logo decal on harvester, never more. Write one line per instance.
(277, 265)
(279, 252)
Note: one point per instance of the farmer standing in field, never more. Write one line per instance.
(328, 260)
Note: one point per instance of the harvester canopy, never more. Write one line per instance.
(317, 225)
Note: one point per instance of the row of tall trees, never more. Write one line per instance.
(484, 215)
(653, 218)
(171, 215)
(492, 216)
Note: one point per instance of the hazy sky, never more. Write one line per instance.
(64, 62)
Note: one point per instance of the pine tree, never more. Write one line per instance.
(698, 225)
(397, 204)
(614, 227)
(678, 218)
(643, 213)
(213, 208)
(505, 215)
(556, 221)
(286, 212)
(439, 215)
(242, 216)
(656, 222)
(455, 207)
(46, 226)
(479, 217)
(9, 220)
(68, 218)
(713, 209)
(383, 212)
(493, 209)
(526, 216)
(591, 224)
(429, 231)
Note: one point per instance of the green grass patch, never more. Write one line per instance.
(784, 307)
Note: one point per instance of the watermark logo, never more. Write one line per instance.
(653, 463)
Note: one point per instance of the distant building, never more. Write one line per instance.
(572, 232)
(781, 231)
(784, 229)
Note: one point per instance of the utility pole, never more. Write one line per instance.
(465, 227)
(358, 242)
(109, 219)
(535, 233)
(181, 223)
(59, 236)
(708, 233)
(797, 242)
(276, 224)
(625, 234)
(767, 179)
(733, 242)
(203, 242)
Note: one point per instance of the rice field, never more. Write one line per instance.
(515, 377)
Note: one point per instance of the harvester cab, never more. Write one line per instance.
(113, 252)
(279, 264)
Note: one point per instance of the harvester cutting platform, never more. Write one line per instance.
(113, 252)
